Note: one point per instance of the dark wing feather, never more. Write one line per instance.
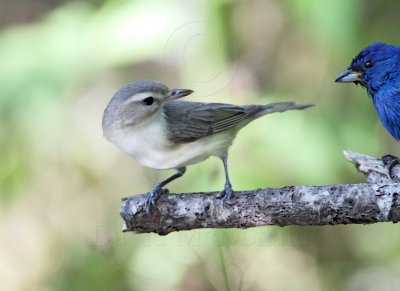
(190, 121)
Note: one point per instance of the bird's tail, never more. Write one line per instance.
(260, 110)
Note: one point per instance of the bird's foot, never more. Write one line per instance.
(153, 196)
(391, 161)
(226, 194)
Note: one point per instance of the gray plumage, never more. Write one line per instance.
(145, 120)
(190, 121)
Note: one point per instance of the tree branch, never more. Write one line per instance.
(375, 201)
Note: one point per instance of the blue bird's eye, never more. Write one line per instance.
(148, 101)
(368, 64)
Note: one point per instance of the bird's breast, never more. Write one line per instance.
(388, 111)
(148, 144)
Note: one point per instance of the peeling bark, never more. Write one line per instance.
(375, 201)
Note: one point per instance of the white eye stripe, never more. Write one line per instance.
(141, 96)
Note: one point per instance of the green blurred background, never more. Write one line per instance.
(61, 182)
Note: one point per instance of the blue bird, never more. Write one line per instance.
(377, 68)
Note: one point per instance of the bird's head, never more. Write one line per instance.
(138, 101)
(373, 67)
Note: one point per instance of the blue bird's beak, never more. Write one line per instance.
(347, 76)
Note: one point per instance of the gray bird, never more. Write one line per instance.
(146, 121)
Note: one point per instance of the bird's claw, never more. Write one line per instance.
(226, 194)
(153, 196)
(390, 162)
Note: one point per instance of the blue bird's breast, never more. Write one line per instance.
(387, 105)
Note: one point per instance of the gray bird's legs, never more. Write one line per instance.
(158, 189)
(227, 193)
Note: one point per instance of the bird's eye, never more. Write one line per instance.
(368, 64)
(148, 101)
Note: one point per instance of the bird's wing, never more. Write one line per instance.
(190, 121)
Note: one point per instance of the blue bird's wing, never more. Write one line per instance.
(189, 121)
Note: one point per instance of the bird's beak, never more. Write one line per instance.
(177, 93)
(347, 76)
